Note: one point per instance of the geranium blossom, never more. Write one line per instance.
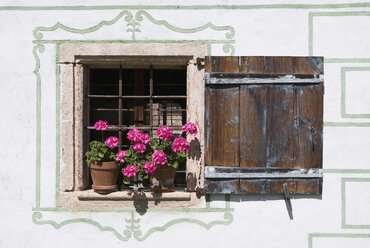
(145, 138)
(159, 157)
(112, 142)
(191, 128)
(180, 144)
(134, 135)
(165, 133)
(101, 125)
(139, 147)
(121, 155)
(150, 168)
(130, 171)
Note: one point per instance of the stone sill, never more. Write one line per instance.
(125, 195)
(128, 199)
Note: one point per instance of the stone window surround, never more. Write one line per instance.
(73, 168)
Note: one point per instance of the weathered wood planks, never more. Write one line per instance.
(257, 117)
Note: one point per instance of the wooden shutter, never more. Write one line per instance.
(263, 125)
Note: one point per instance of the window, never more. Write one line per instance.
(84, 65)
(144, 97)
(264, 118)
(259, 118)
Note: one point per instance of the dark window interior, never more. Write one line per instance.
(145, 99)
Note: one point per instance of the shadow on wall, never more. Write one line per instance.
(141, 204)
(275, 197)
(194, 151)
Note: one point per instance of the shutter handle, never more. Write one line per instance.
(287, 201)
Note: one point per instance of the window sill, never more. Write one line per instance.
(128, 199)
(178, 195)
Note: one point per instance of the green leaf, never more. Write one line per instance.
(182, 154)
(126, 180)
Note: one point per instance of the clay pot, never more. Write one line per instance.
(163, 179)
(104, 176)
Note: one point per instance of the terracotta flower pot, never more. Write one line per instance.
(104, 176)
(163, 179)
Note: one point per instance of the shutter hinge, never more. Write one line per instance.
(200, 62)
(69, 63)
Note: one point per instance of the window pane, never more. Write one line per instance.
(135, 112)
(170, 112)
(103, 109)
(135, 82)
(169, 82)
(104, 81)
(97, 135)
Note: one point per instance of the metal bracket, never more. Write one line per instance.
(287, 200)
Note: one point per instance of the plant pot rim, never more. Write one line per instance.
(107, 165)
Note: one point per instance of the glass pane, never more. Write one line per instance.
(135, 112)
(104, 81)
(170, 112)
(103, 109)
(169, 82)
(128, 106)
(97, 135)
(135, 82)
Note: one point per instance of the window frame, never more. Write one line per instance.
(73, 58)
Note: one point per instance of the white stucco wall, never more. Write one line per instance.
(337, 30)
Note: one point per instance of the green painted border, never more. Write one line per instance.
(229, 35)
(190, 7)
(346, 60)
(346, 171)
(335, 235)
(57, 121)
(133, 227)
(41, 49)
(343, 92)
(38, 35)
(311, 16)
(346, 124)
(343, 202)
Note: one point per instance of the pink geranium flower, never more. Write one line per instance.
(134, 135)
(150, 168)
(191, 128)
(139, 147)
(145, 138)
(112, 142)
(180, 144)
(101, 125)
(159, 157)
(130, 171)
(121, 155)
(165, 133)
